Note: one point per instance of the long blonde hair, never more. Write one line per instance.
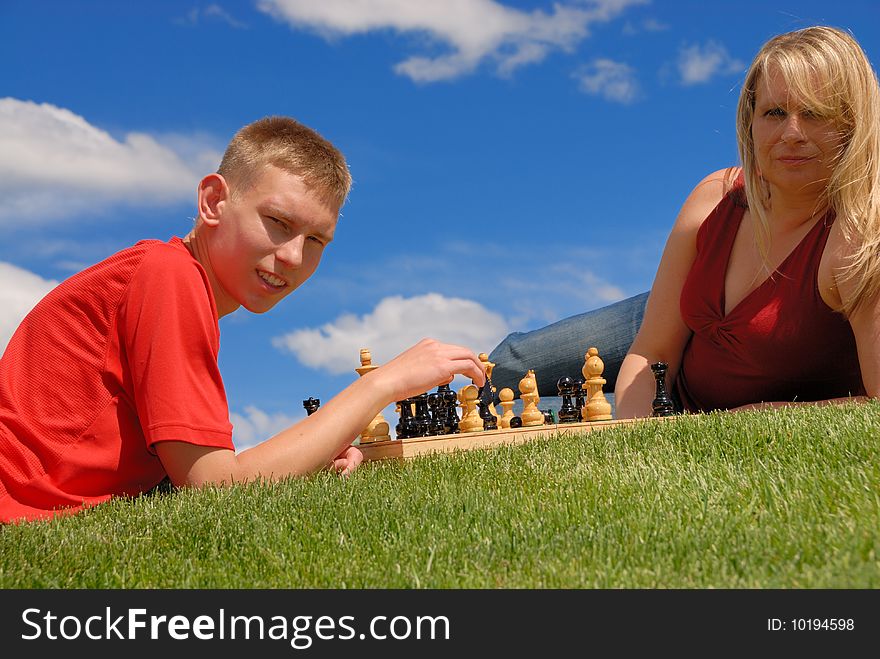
(828, 71)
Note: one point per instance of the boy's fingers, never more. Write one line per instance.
(467, 363)
(471, 367)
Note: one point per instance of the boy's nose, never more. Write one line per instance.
(290, 252)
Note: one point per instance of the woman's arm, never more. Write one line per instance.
(865, 323)
(835, 288)
(663, 334)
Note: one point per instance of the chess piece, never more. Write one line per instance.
(531, 374)
(311, 405)
(471, 421)
(450, 404)
(378, 429)
(568, 412)
(437, 406)
(580, 395)
(485, 396)
(487, 368)
(597, 408)
(528, 392)
(487, 365)
(406, 424)
(506, 398)
(549, 420)
(516, 422)
(422, 416)
(662, 404)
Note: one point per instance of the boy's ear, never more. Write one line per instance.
(213, 193)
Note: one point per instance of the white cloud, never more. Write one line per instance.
(256, 426)
(20, 290)
(473, 30)
(55, 164)
(697, 64)
(393, 326)
(614, 81)
(562, 279)
(647, 25)
(579, 287)
(212, 11)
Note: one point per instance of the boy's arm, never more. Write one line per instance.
(317, 440)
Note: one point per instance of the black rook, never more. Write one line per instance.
(662, 403)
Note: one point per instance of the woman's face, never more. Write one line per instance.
(796, 150)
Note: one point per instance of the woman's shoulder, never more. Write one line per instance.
(707, 194)
(721, 183)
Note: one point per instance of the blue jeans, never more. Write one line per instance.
(558, 349)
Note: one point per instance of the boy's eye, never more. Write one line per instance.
(775, 112)
(317, 240)
(280, 223)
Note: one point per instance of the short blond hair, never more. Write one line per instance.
(827, 70)
(292, 147)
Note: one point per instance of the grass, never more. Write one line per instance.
(781, 499)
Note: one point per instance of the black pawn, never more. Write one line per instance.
(662, 403)
(516, 422)
(436, 405)
(311, 405)
(580, 396)
(406, 425)
(568, 413)
(450, 406)
(423, 415)
(548, 417)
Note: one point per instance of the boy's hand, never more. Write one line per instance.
(347, 461)
(426, 365)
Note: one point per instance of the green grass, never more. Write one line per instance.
(782, 499)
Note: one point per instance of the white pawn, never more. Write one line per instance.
(597, 407)
(506, 396)
(471, 421)
(378, 428)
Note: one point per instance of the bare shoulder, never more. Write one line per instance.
(703, 198)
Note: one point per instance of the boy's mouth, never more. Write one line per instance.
(273, 280)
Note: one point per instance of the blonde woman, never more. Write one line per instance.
(767, 290)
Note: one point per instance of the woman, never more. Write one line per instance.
(767, 290)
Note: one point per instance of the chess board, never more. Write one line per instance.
(409, 448)
(593, 407)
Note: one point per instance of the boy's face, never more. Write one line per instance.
(267, 240)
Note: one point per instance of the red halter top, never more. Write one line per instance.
(780, 343)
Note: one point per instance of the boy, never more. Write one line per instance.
(111, 383)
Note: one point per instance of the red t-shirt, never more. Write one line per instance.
(113, 360)
(780, 343)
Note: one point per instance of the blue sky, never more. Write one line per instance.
(514, 161)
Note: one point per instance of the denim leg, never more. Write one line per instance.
(558, 349)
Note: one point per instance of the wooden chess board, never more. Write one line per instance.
(593, 407)
(409, 448)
